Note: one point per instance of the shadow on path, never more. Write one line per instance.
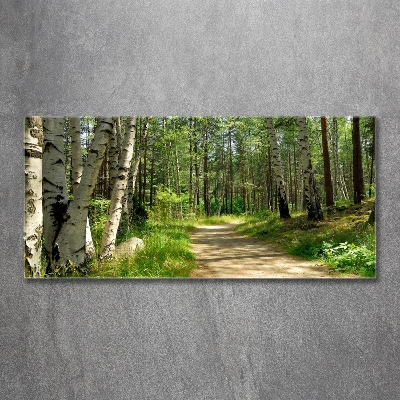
(223, 253)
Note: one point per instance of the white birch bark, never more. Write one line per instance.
(335, 157)
(71, 239)
(55, 195)
(76, 152)
(33, 218)
(77, 169)
(277, 166)
(113, 157)
(310, 191)
(115, 209)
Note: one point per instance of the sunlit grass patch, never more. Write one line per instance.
(166, 253)
(344, 240)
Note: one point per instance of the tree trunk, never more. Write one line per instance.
(335, 158)
(76, 152)
(77, 169)
(70, 244)
(144, 170)
(134, 169)
(310, 190)
(151, 200)
(177, 173)
(276, 157)
(371, 174)
(197, 173)
(295, 178)
(358, 179)
(55, 196)
(115, 209)
(327, 164)
(230, 173)
(113, 158)
(33, 224)
(191, 202)
(206, 193)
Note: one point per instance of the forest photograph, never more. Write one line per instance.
(199, 197)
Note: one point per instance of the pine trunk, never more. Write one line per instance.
(33, 224)
(371, 174)
(327, 164)
(310, 190)
(115, 209)
(206, 193)
(276, 158)
(335, 158)
(358, 179)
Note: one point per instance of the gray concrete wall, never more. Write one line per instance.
(185, 339)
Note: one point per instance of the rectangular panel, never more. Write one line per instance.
(200, 197)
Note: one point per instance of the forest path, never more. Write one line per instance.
(223, 253)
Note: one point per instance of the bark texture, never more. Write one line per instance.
(327, 164)
(113, 155)
(76, 152)
(55, 195)
(358, 179)
(71, 239)
(276, 158)
(115, 210)
(77, 169)
(33, 218)
(310, 190)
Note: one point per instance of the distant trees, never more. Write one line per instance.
(327, 165)
(358, 179)
(309, 183)
(180, 166)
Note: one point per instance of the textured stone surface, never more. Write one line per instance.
(129, 246)
(199, 339)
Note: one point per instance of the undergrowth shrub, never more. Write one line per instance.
(348, 257)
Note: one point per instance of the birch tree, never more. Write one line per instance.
(276, 158)
(327, 164)
(310, 190)
(55, 195)
(76, 152)
(115, 208)
(113, 155)
(77, 169)
(70, 243)
(33, 227)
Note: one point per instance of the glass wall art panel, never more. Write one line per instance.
(199, 197)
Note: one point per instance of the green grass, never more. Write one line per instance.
(216, 220)
(167, 253)
(343, 241)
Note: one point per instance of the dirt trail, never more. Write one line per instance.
(223, 253)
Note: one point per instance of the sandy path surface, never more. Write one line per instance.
(223, 253)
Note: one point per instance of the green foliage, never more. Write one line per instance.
(168, 204)
(344, 240)
(98, 209)
(348, 257)
(139, 213)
